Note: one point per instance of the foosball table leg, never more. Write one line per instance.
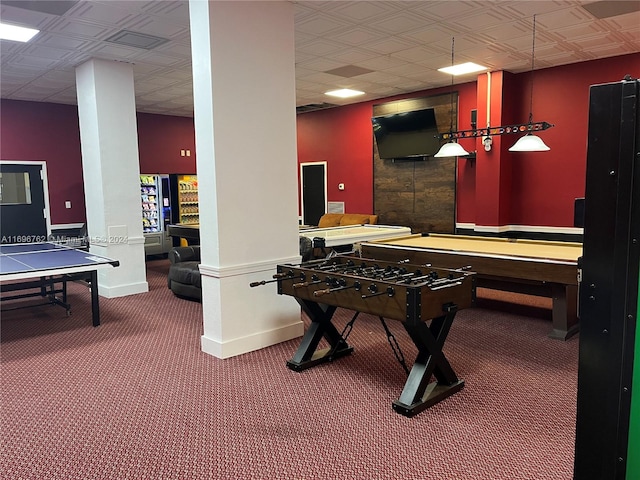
(418, 394)
(307, 355)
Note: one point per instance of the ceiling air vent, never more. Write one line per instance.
(611, 8)
(314, 106)
(135, 39)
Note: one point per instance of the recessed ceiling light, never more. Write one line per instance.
(462, 68)
(16, 33)
(344, 93)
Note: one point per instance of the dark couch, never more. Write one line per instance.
(184, 278)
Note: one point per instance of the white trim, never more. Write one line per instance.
(45, 184)
(246, 268)
(251, 342)
(109, 291)
(520, 228)
(64, 226)
(104, 242)
(301, 180)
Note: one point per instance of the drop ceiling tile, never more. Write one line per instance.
(164, 60)
(158, 27)
(320, 24)
(357, 36)
(506, 31)
(77, 29)
(361, 11)
(322, 64)
(63, 42)
(32, 62)
(26, 18)
(110, 50)
(480, 20)
(538, 7)
(383, 62)
(41, 51)
(349, 57)
(623, 22)
(562, 18)
(388, 45)
(177, 11)
(103, 14)
(321, 47)
(402, 22)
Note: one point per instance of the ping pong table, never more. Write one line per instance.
(44, 269)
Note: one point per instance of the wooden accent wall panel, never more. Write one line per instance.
(417, 194)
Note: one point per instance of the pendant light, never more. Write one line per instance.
(530, 142)
(452, 148)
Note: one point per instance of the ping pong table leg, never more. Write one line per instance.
(95, 304)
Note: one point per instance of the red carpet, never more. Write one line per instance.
(136, 399)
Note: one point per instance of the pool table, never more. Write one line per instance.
(533, 267)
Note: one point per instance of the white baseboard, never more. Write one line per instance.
(521, 228)
(250, 343)
(122, 290)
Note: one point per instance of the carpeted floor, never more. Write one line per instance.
(136, 399)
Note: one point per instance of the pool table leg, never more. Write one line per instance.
(564, 311)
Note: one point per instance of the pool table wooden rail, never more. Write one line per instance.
(524, 266)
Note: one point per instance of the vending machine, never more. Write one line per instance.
(155, 199)
(184, 191)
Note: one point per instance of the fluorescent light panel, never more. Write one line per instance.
(344, 93)
(462, 68)
(16, 33)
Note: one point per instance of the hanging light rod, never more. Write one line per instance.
(502, 130)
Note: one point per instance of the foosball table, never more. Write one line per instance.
(424, 298)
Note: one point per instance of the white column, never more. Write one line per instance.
(244, 96)
(111, 169)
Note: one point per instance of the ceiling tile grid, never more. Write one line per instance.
(401, 43)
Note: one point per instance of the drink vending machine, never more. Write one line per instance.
(156, 204)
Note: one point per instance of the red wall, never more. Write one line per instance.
(50, 132)
(546, 184)
(343, 137)
(542, 186)
(160, 140)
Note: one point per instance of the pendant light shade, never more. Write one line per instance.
(529, 143)
(451, 149)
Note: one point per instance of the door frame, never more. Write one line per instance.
(45, 184)
(326, 200)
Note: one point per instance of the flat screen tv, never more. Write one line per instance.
(409, 135)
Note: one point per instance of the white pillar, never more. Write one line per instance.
(244, 96)
(111, 169)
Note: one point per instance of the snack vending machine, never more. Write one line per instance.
(184, 191)
(156, 213)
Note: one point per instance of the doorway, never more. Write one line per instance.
(313, 198)
(24, 202)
